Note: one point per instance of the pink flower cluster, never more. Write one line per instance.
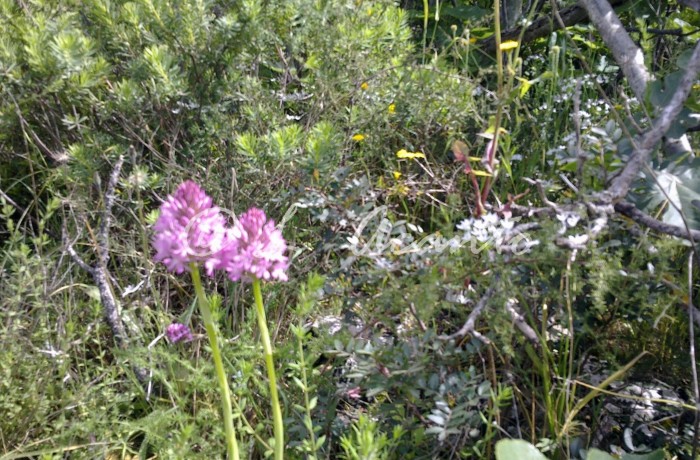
(191, 229)
(177, 332)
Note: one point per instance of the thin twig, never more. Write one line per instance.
(520, 322)
(693, 363)
(626, 53)
(100, 273)
(421, 324)
(542, 27)
(469, 324)
(543, 194)
(74, 255)
(628, 209)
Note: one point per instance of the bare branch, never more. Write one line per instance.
(74, 255)
(543, 195)
(626, 53)
(542, 27)
(631, 211)
(468, 327)
(520, 322)
(693, 362)
(414, 312)
(529, 211)
(103, 234)
(100, 273)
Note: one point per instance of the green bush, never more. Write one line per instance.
(300, 107)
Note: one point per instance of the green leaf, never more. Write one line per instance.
(675, 185)
(464, 12)
(595, 454)
(517, 449)
(661, 91)
(656, 455)
(299, 383)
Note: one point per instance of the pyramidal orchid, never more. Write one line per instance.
(259, 249)
(259, 255)
(177, 332)
(191, 231)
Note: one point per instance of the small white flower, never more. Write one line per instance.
(465, 225)
(481, 235)
(395, 243)
(577, 240)
(568, 219)
(454, 243)
(490, 218)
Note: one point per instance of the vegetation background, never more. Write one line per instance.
(492, 225)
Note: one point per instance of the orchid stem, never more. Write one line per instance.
(267, 349)
(231, 443)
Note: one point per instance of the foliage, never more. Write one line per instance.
(352, 123)
(517, 448)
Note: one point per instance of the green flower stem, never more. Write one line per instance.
(231, 443)
(267, 349)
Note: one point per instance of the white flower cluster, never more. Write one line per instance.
(387, 240)
(492, 231)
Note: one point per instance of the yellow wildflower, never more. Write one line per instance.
(402, 190)
(509, 45)
(403, 153)
(397, 175)
(392, 108)
(358, 137)
(364, 86)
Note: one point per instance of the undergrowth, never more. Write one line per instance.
(304, 108)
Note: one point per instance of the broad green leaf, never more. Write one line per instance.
(517, 449)
(656, 455)
(674, 186)
(595, 454)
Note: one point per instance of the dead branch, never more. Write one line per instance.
(626, 53)
(631, 211)
(520, 322)
(542, 27)
(100, 273)
(470, 323)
